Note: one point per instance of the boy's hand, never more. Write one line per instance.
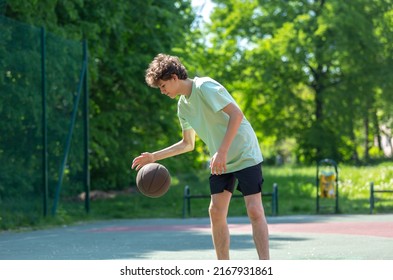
(142, 160)
(218, 163)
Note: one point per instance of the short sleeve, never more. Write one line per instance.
(184, 124)
(216, 95)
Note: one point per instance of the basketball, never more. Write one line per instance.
(153, 180)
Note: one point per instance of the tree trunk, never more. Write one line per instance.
(366, 142)
(355, 155)
(377, 131)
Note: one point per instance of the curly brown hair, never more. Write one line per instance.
(163, 67)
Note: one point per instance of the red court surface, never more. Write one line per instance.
(366, 228)
(379, 229)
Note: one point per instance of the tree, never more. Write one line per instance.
(310, 70)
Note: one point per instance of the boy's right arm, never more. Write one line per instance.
(185, 145)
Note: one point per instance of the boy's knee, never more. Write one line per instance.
(255, 212)
(216, 213)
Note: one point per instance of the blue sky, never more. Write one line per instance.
(203, 7)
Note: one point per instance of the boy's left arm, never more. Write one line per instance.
(218, 161)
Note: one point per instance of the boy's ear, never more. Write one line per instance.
(175, 77)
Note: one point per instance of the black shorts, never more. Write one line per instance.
(250, 181)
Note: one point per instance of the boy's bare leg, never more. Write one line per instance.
(218, 212)
(260, 229)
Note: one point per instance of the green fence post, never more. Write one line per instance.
(44, 125)
(86, 130)
(275, 199)
(371, 197)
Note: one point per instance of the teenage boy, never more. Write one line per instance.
(206, 108)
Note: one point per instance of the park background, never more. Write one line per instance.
(314, 77)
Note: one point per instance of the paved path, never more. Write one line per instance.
(314, 237)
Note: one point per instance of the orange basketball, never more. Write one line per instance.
(153, 180)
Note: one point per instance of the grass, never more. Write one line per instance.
(297, 195)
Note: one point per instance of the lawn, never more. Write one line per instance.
(296, 188)
(297, 194)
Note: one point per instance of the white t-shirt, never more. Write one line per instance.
(202, 111)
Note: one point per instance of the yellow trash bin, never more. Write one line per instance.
(327, 184)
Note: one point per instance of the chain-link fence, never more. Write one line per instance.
(43, 123)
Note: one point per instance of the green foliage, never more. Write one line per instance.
(127, 118)
(308, 70)
(19, 135)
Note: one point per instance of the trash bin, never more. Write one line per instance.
(327, 183)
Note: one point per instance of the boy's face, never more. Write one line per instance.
(169, 87)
